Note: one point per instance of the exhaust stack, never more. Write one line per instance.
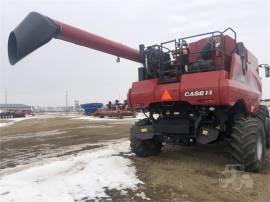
(36, 30)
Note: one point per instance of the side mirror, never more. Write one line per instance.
(266, 68)
(267, 72)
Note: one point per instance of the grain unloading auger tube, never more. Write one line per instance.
(36, 30)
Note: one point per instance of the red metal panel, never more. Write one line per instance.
(192, 47)
(229, 45)
(241, 87)
(219, 62)
(142, 93)
(203, 81)
(195, 47)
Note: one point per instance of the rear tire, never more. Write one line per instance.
(267, 134)
(263, 115)
(247, 145)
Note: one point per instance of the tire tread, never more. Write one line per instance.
(243, 143)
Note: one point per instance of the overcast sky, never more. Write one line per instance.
(43, 77)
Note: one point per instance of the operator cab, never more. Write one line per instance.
(169, 60)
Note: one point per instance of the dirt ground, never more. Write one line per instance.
(196, 173)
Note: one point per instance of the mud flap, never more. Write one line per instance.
(142, 132)
(206, 135)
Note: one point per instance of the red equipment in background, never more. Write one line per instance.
(116, 110)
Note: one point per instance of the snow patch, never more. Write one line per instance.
(116, 120)
(123, 192)
(6, 124)
(13, 121)
(143, 196)
(32, 135)
(85, 176)
(95, 126)
(92, 118)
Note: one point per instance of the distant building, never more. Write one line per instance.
(15, 107)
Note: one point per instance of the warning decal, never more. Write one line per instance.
(166, 95)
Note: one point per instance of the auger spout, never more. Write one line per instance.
(36, 30)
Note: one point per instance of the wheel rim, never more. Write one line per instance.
(259, 147)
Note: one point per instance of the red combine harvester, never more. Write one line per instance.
(197, 89)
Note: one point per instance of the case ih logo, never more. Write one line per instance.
(198, 93)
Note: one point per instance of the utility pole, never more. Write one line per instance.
(5, 95)
(67, 100)
(77, 105)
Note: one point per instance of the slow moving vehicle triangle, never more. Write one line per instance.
(166, 95)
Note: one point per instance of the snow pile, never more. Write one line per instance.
(77, 178)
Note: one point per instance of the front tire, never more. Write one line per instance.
(145, 148)
(248, 144)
